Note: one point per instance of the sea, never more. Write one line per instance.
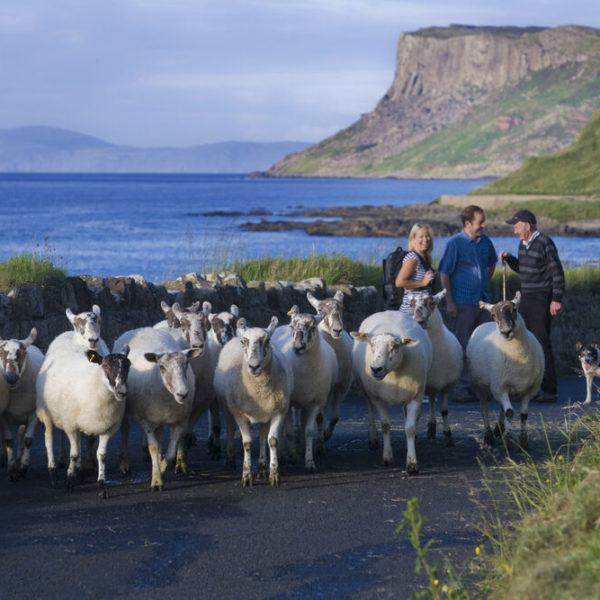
(158, 225)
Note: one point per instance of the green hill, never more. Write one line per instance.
(572, 171)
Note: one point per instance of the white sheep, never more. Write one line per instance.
(505, 359)
(222, 329)
(332, 330)
(161, 392)
(20, 362)
(447, 359)
(253, 381)
(81, 392)
(391, 359)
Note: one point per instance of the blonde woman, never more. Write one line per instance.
(416, 274)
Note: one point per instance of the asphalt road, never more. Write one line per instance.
(329, 535)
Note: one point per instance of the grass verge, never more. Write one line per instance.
(28, 269)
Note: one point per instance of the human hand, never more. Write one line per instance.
(428, 277)
(503, 255)
(555, 308)
(451, 308)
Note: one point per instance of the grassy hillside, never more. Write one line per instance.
(574, 170)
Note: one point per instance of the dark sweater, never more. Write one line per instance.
(539, 267)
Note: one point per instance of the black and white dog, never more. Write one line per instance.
(590, 363)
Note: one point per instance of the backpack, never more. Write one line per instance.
(392, 295)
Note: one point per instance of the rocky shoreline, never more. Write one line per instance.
(393, 221)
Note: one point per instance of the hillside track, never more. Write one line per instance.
(327, 535)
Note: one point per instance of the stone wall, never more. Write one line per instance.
(129, 302)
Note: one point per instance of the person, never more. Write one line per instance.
(416, 274)
(465, 269)
(542, 289)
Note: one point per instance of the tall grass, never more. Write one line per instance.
(28, 269)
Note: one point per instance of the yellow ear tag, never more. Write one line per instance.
(291, 312)
(92, 357)
(481, 305)
(362, 335)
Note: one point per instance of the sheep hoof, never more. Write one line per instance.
(52, 475)
(431, 429)
(157, 487)
(102, 489)
(489, 438)
(274, 478)
(310, 468)
(247, 480)
(412, 468)
(163, 464)
(448, 440)
(388, 462)
(261, 473)
(499, 430)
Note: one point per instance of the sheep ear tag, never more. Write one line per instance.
(94, 357)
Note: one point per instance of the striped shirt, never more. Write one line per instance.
(539, 267)
(418, 275)
(467, 263)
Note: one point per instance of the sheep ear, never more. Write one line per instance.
(151, 357)
(125, 350)
(313, 301)
(70, 315)
(192, 352)
(165, 307)
(486, 306)
(293, 311)
(517, 300)
(94, 357)
(176, 309)
(339, 296)
(409, 342)
(235, 310)
(438, 297)
(272, 325)
(96, 310)
(30, 338)
(206, 307)
(241, 326)
(360, 336)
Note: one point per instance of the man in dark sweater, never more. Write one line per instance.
(542, 288)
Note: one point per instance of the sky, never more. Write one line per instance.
(152, 73)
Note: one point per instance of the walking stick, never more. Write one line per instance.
(503, 281)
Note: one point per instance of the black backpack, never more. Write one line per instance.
(392, 295)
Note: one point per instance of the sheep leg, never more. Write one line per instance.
(9, 447)
(74, 457)
(214, 438)
(488, 435)
(384, 417)
(62, 456)
(413, 410)
(372, 427)
(156, 482)
(246, 434)
(506, 414)
(308, 421)
(124, 465)
(274, 437)
(523, 439)
(49, 442)
(25, 443)
(334, 417)
(175, 451)
(101, 459)
(320, 446)
(432, 424)
(261, 472)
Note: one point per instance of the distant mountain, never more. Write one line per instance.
(467, 102)
(574, 170)
(50, 150)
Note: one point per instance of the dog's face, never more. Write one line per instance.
(588, 356)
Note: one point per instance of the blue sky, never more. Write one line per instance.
(185, 72)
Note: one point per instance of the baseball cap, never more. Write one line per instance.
(523, 215)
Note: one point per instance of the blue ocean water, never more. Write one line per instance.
(155, 225)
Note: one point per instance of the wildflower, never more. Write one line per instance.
(547, 481)
(478, 550)
(560, 457)
(508, 568)
(445, 589)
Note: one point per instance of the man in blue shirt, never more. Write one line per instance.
(465, 270)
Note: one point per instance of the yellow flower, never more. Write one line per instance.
(560, 457)
(547, 481)
(508, 568)
(436, 582)
(445, 588)
(478, 550)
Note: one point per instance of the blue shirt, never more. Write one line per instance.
(466, 262)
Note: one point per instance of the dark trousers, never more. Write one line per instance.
(467, 319)
(535, 310)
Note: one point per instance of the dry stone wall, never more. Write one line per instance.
(130, 302)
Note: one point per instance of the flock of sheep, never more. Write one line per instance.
(286, 378)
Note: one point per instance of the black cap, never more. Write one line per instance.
(524, 215)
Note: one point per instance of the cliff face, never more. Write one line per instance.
(467, 101)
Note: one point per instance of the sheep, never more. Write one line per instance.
(254, 382)
(590, 365)
(447, 359)
(391, 359)
(222, 329)
(332, 330)
(20, 362)
(505, 359)
(161, 392)
(172, 323)
(315, 367)
(81, 392)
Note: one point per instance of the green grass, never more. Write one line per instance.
(334, 269)
(28, 269)
(561, 210)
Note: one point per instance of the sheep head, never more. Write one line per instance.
(224, 324)
(13, 358)
(172, 367)
(332, 310)
(256, 345)
(86, 326)
(386, 351)
(505, 314)
(304, 331)
(194, 327)
(115, 370)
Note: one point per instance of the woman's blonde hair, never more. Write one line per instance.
(413, 234)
